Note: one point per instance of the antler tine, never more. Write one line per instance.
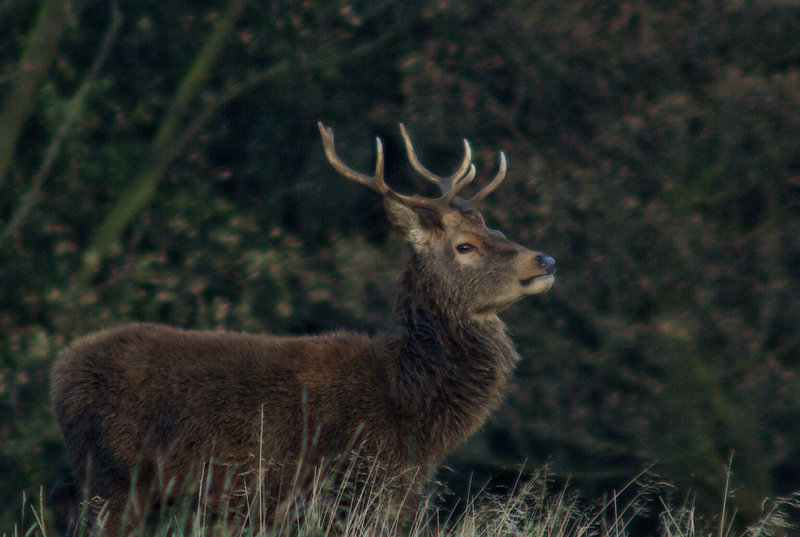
(375, 182)
(459, 184)
(449, 185)
(494, 183)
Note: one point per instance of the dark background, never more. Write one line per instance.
(160, 161)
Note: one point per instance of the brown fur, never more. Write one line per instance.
(158, 402)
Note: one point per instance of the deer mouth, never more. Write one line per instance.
(538, 284)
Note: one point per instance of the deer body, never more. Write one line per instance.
(153, 403)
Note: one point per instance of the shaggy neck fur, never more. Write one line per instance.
(448, 369)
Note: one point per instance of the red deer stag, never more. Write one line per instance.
(143, 406)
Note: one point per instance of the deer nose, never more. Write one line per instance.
(546, 263)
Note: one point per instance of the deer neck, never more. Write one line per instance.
(447, 367)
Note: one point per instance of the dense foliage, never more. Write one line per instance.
(160, 161)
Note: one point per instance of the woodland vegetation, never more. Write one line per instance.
(160, 161)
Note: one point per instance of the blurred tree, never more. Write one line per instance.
(41, 46)
(72, 111)
(167, 143)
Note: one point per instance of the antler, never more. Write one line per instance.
(375, 182)
(449, 186)
(452, 184)
(494, 183)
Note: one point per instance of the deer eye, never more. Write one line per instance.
(465, 248)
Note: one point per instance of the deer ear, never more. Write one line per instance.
(414, 223)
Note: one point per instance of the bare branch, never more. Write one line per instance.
(40, 49)
(74, 108)
(141, 190)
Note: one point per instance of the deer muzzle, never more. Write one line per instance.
(542, 276)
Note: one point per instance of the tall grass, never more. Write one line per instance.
(532, 509)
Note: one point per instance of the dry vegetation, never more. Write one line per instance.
(534, 508)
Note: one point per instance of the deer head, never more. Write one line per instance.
(469, 266)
